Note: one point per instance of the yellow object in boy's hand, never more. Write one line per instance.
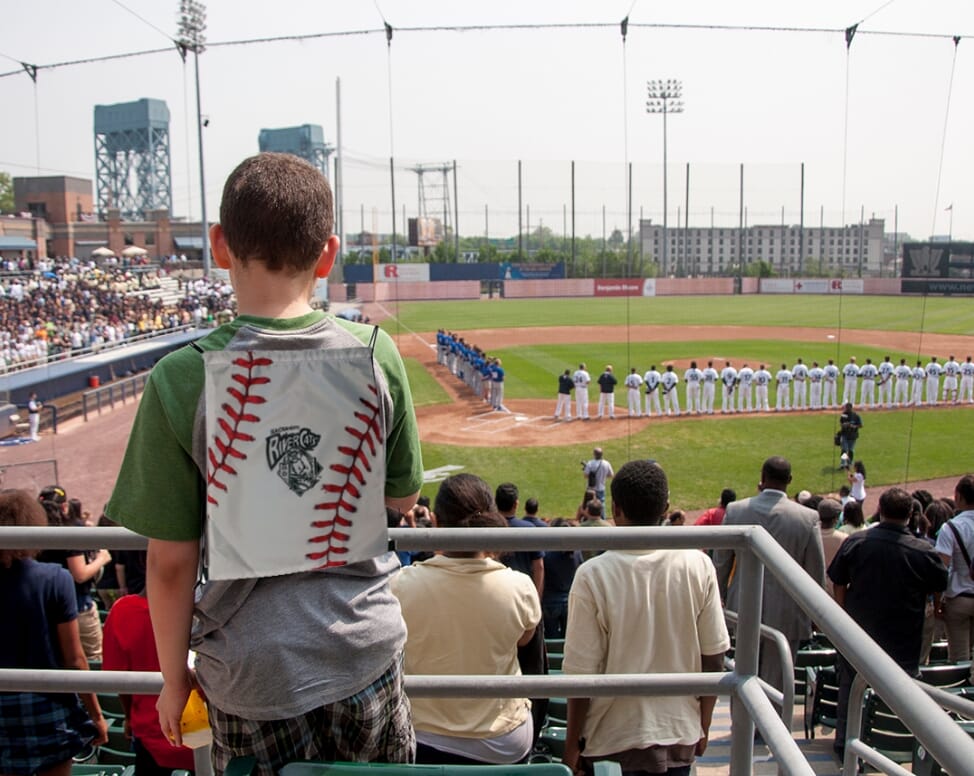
(195, 722)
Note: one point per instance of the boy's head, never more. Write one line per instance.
(276, 209)
(640, 493)
(506, 497)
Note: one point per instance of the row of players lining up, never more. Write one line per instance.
(746, 389)
(483, 374)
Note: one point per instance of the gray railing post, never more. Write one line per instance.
(750, 584)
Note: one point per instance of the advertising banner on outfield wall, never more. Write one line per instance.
(525, 270)
(392, 273)
(811, 286)
(637, 287)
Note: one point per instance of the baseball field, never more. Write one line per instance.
(539, 339)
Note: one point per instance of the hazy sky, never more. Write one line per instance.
(770, 100)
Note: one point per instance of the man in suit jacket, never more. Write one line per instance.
(796, 529)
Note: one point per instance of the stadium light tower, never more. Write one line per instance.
(664, 97)
(192, 26)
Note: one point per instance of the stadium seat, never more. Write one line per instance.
(554, 660)
(111, 706)
(102, 770)
(812, 656)
(821, 699)
(107, 755)
(947, 675)
(938, 652)
(883, 730)
(557, 711)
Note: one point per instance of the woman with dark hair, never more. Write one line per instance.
(468, 614)
(857, 479)
(40, 732)
(84, 569)
(581, 513)
(853, 518)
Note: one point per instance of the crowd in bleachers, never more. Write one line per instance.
(66, 307)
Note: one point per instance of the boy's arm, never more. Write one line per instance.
(170, 578)
(707, 702)
(577, 712)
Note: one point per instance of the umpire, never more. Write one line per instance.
(849, 425)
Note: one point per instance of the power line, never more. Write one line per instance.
(530, 27)
(142, 19)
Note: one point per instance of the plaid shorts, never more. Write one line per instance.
(39, 731)
(374, 725)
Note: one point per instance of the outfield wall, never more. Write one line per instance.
(586, 288)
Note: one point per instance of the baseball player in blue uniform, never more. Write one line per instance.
(607, 393)
(652, 379)
(564, 406)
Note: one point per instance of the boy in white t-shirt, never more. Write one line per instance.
(642, 612)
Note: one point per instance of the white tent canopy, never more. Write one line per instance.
(102, 253)
(134, 250)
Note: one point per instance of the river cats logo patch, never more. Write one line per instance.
(289, 456)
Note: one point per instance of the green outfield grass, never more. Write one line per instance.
(934, 314)
(531, 372)
(703, 455)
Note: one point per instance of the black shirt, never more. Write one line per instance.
(889, 573)
(607, 382)
(849, 424)
(565, 384)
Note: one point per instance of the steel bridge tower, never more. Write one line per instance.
(306, 141)
(132, 165)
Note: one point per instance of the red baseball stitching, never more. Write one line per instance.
(366, 443)
(229, 447)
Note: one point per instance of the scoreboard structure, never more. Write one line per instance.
(938, 268)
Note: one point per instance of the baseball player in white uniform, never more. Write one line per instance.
(783, 394)
(901, 386)
(633, 382)
(652, 381)
(829, 382)
(745, 389)
(34, 416)
(581, 379)
(693, 377)
(728, 378)
(886, 370)
(710, 379)
(933, 370)
(851, 374)
(799, 375)
(967, 381)
(671, 398)
(867, 391)
(762, 379)
(919, 378)
(951, 373)
(815, 377)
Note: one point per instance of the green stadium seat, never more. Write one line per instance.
(86, 769)
(107, 755)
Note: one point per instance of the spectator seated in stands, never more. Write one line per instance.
(468, 614)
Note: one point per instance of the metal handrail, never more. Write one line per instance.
(785, 697)
(939, 734)
(122, 387)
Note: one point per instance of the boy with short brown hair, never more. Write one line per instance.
(291, 431)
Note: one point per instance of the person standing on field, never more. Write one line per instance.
(564, 406)
(607, 393)
(671, 398)
(799, 375)
(710, 380)
(744, 389)
(901, 388)
(919, 378)
(851, 374)
(633, 382)
(830, 379)
(783, 379)
(967, 381)
(692, 378)
(815, 377)
(933, 370)
(652, 380)
(728, 378)
(762, 379)
(886, 371)
(581, 379)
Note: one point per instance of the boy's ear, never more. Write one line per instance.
(219, 247)
(327, 258)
